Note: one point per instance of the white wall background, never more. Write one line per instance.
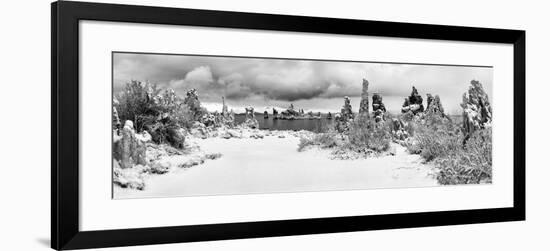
(25, 124)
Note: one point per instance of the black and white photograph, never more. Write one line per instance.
(275, 125)
(200, 125)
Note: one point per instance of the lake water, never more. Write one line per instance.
(314, 125)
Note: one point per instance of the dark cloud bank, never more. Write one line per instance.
(314, 85)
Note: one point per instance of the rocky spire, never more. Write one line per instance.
(477, 112)
(429, 100)
(413, 103)
(226, 118)
(378, 108)
(249, 112)
(250, 118)
(346, 112)
(192, 101)
(434, 106)
(129, 148)
(225, 112)
(364, 105)
(345, 117)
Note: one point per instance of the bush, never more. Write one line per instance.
(460, 160)
(182, 116)
(175, 111)
(365, 133)
(324, 140)
(322, 126)
(305, 142)
(135, 103)
(472, 165)
(436, 142)
(161, 113)
(364, 137)
(145, 104)
(434, 137)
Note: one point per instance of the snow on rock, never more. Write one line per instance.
(477, 112)
(160, 159)
(198, 130)
(160, 167)
(194, 161)
(250, 120)
(344, 119)
(257, 136)
(229, 133)
(399, 134)
(129, 147)
(128, 177)
(213, 156)
(378, 108)
(144, 136)
(434, 106)
(413, 103)
(198, 158)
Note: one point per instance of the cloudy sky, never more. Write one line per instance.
(310, 85)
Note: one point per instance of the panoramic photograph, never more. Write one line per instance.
(202, 125)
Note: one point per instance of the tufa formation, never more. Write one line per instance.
(364, 105)
(413, 103)
(434, 106)
(250, 118)
(343, 121)
(129, 147)
(477, 112)
(378, 108)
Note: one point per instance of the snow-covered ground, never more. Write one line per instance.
(273, 165)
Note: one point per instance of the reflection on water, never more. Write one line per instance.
(314, 125)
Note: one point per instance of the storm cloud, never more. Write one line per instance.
(312, 83)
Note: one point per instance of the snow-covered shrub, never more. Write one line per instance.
(460, 159)
(366, 133)
(324, 140)
(135, 103)
(472, 164)
(162, 113)
(304, 143)
(435, 138)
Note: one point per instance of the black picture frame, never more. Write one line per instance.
(65, 233)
